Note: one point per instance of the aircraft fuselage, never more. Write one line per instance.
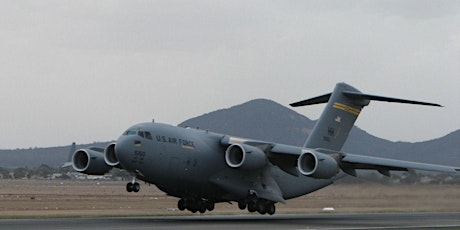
(189, 162)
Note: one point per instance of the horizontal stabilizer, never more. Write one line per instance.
(360, 96)
(313, 101)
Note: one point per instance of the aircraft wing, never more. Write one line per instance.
(383, 165)
(286, 158)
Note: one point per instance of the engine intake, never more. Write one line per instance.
(245, 157)
(317, 165)
(110, 156)
(89, 162)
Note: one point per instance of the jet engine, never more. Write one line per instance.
(110, 157)
(245, 157)
(317, 165)
(90, 162)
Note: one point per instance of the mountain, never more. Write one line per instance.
(258, 119)
(267, 120)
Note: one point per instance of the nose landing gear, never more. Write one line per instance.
(133, 186)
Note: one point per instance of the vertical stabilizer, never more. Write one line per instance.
(72, 150)
(68, 164)
(337, 119)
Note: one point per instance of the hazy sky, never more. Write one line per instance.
(85, 71)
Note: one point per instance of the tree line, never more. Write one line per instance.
(411, 177)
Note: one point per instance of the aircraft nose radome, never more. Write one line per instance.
(122, 150)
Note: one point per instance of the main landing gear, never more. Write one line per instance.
(259, 205)
(195, 205)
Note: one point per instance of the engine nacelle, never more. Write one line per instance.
(245, 157)
(317, 165)
(89, 162)
(110, 156)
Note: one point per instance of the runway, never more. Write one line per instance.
(311, 221)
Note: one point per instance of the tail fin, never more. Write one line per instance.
(71, 151)
(68, 164)
(344, 105)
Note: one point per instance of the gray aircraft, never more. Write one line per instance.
(202, 168)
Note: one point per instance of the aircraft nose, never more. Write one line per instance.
(123, 148)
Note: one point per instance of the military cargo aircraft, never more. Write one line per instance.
(202, 168)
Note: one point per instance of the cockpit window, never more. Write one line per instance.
(148, 135)
(143, 134)
(140, 133)
(130, 132)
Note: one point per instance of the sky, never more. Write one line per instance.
(84, 71)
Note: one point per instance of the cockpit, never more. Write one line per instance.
(140, 133)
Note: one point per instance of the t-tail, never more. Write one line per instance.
(344, 105)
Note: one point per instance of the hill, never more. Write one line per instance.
(267, 120)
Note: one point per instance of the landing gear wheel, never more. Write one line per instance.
(252, 207)
(242, 204)
(129, 187)
(136, 187)
(201, 208)
(181, 205)
(261, 207)
(271, 209)
(210, 205)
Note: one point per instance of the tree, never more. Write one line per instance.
(5, 174)
(20, 173)
(43, 171)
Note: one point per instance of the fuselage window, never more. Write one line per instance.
(148, 135)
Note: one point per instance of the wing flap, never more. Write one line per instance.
(377, 163)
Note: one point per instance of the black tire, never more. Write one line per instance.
(271, 209)
(136, 187)
(129, 187)
(261, 206)
(181, 205)
(210, 205)
(242, 204)
(252, 207)
(202, 209)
